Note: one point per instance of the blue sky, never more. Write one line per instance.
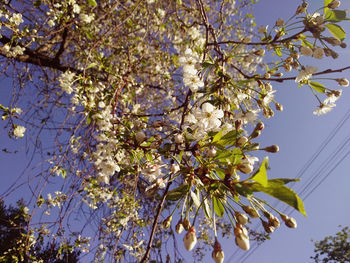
(299, 134)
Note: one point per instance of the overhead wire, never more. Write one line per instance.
(306, 166)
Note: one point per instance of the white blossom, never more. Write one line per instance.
(19, 131)
(324, 108)
(306, 73)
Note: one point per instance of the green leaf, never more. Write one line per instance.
(260, 176)
(177, 193)
(335, 16)
(278, 51)
(92, 3)
(244, 189)
(217, 136)
(220, 173)
(206, 208)
(229, 138)
(195, 199)
(326, 3)
(218, 206)
(317, 86)
(276, 189)
(336, 31)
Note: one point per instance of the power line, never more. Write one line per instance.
(307, 165)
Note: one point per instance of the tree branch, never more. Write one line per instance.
(155, 222)
(31, 57)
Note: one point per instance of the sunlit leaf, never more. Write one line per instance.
(336, 31)
(282, 193)
(335, 16)
(218, 206)
(195, 199)
(260, 176)
(318, 87)
(177, 193)
(326, 3)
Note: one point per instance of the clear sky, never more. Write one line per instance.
(299, 134)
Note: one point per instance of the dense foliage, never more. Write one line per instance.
(333, 248)
(141, 113)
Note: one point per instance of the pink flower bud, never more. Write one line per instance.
(242, 242)
(272, 149)
(190, 239)
(289, 221)
(251, 211)
(179, 227)
(274, 221)
(241, 218)
(334, 4)
(268, 228)
(218, 253)
(343, 82)
(167, 222)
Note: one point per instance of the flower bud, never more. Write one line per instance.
(301, 8)
(255, 134)
(211, 152)
(167, 222)
(218, 256)
(274, 221)
(272, 149)
(140, 137)
(280, 22)
(289, 221)
(287, 67)
(306, 51)
(190, 239)
(186, 224)
(343, 82)
(238, 124)
(218, 253)
(279, 107)
(242, 242)
(260, 126)
(319, 20)
(251, 211)
(333, 41)
(260, 52)
(343, 45)
(242, 141)
(179, 227)
(268, 228)
(267, 75)
(174, 168)
(334, 4)
(179, 138)
(245, 168)
(241, 218)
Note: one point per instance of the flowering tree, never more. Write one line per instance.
(151, 112)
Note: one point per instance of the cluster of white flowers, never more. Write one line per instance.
(306, 73)
(189, 62)
(205, 119)
(66, 81)
(19, 131)
(104, 156)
